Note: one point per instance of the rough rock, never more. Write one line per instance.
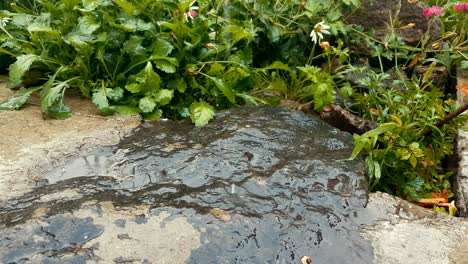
(461, 181)
(379, 15)
(256, 185)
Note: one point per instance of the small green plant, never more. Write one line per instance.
(404, 153)
(308, 84)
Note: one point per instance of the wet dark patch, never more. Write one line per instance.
(141, 219)
(49, 241)
(279, 175)
(120, 223)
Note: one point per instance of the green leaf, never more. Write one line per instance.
(59, 110)
(346, 90)
(377, 173)
(403, 153)
(355, 3)
(161, 47)
(310, 71)
(274, 33)
(133, 24)
(87, 25)
(151, 79)
(133, 87)
(124, 109)
(464, 64)
(41, 24)
(181, 85)
(51, 93)
(146, 104)
(227, 91)
(115, 94)
(201, 113)
(452, 209)
(90, 5)
(35, 27)
(177, 84)
(164, 96)
(370, 164)
(17, 100)
(236, 33)
(145, 81)
(252, 100)
(416, 183)
(216, 69)
(22, 20)
(165, 64)
(277, 65)
(156, 114)
(128, 7)
(413, 160)
(357, 149)
(100, 99)
(133, 46)
(20, 67)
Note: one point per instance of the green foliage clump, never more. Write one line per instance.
(141, 57)
(153, 57)
(404, 153)
(415, 132)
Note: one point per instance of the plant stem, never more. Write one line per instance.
(448, 118)
(311, 58)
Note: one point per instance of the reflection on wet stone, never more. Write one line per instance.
(56, 236)
(256, 185)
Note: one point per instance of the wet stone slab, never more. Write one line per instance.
(256, 185)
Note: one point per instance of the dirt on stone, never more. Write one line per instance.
(31, 145)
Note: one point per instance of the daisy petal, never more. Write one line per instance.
(314, 38)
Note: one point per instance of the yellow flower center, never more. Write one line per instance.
(318, 28)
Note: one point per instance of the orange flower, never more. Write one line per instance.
(325, 45)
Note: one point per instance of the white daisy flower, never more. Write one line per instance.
(191, 13)
(4, 21)
(318, 31)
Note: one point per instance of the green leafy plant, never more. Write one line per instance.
(141, 57)
(401, 156)
(416, 129)
(153, 57)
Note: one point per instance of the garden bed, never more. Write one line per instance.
(188, 59)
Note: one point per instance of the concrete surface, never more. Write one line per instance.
(401, 232)
(30, 145)
(461, 181)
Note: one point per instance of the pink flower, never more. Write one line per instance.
(462, 7)
(190, 15)
(433, 10)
